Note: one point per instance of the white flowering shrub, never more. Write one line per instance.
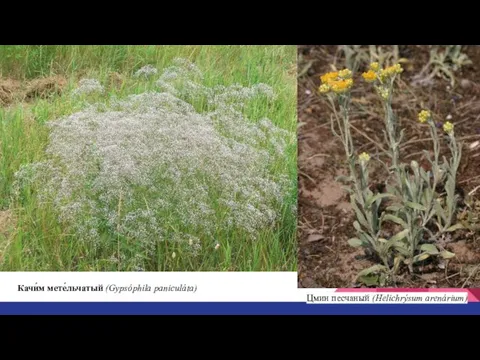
(88, 86)
(146, 71)
(150, 168)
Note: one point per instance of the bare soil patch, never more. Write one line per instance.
(45, 87)
(8, 90)
(12, 91)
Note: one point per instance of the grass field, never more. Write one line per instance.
(198, 180)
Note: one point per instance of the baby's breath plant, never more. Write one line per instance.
(146, 72)
(88, 86)
(151, 168)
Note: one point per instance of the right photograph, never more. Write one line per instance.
(389, 166)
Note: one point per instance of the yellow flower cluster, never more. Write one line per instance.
(345, 74)
(337, 81)
(324, 88)
(370, 76)
(390, 72)
(448, 127)
(375, 72)
(424, 116)
(364, 158)
(341, 86)
(374, 66)
(328, 77)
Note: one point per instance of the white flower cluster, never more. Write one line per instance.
(237, 94)
(146, 71)
(88, 86)
(182, 80)
(151, 168)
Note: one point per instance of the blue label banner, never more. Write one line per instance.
(231, 308)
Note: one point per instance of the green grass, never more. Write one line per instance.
(37, 242)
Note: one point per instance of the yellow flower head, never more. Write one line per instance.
(369, 76)
(341, 86)
(390, 71)
(324, 88)
(338, 81)
(374, 66)
(423, 116)
(328, 77)
(395, 69)
(364, 158)
(448, 127)
(345, 74)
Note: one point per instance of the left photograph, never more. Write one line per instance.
(148, 158)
